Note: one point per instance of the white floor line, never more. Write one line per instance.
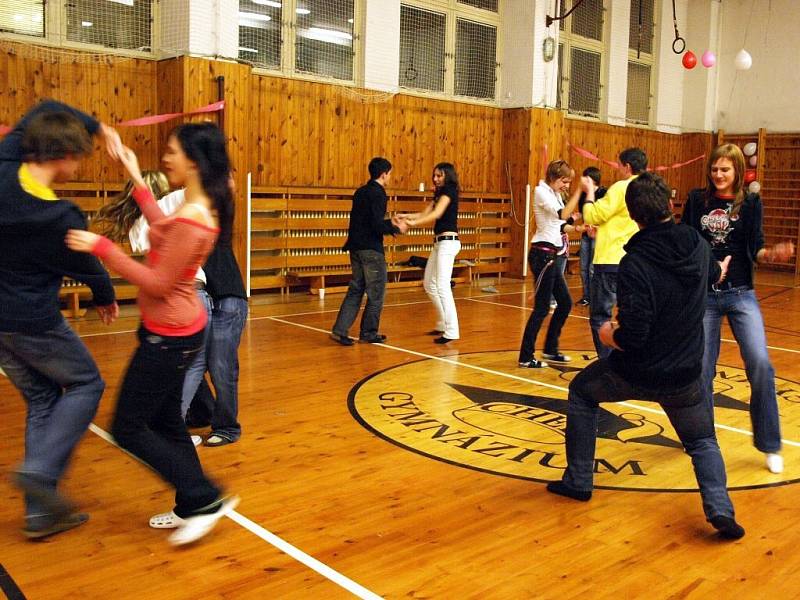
(587, 318)
(523, 379)
(272, 539)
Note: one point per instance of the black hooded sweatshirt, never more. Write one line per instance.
(661, 298)
(33, 256)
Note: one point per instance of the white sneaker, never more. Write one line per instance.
(167, 520)
(774, 462)
(194, 528)
(197, 440)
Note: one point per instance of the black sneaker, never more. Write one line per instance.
(378, 338)
(728, 528)
(341, 339)
(583, 302)
(557, 357)
(562, 489)
(533, 364)
(38, 531)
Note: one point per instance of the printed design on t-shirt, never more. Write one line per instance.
(718, 223)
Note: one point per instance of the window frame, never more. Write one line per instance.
(649, 60)
(453, 11)
(565, 42)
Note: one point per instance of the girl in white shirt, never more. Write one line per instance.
(551, 216)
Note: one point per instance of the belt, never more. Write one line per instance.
(442, 238)
(549, 248)
(726, 286)
(199, 285)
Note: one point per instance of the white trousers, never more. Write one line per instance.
(438, 273)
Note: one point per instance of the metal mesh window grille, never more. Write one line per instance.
(587, 20)
(648, 9)
(476, 59)
(260, 32)
(25, 17)
(124, 24)
(422, 49)
(584, 83)
(638, 99)
(484, 4)
(324, 38)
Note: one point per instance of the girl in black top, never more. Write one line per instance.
(443, 212)
(730, 220)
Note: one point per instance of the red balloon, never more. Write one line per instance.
(749, 175)
(689, 60)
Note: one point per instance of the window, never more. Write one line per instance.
(260, 33)
(24, 17)
(302, 36)
(116, 24)
(476, 59)
(110, 23)
(422, 48)
(580, 51)
(640, 62)
(450, 47)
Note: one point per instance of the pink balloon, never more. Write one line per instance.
(708, 59)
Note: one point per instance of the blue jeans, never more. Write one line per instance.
(587, 254)
(741, 308)
(602, 298)
(220, 356)
(369, 276)
(547, 274)
(61, 384)
(689, 415)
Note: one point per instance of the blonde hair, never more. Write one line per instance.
(558, 169)
(733, 154)
(117, 218)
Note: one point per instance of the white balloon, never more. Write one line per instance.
(754, 161)
(754, 188)
(743, 60)
(750, 148)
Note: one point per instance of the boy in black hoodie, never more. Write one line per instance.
(657, 350)
(39, 353)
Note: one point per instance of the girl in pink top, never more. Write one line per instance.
(148, 420)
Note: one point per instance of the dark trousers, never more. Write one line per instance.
(148, 421)
(691, 417)
(369, 276)
(549, 282)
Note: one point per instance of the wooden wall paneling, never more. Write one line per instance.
(517, 154)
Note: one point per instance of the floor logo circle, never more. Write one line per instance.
(483, 412)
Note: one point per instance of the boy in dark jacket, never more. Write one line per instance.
(39, 353)
(657, 350)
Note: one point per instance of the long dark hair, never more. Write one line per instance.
(115, 219)
(204, 144)
(733, 154)
(450, 177)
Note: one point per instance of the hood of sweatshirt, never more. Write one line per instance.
(674, 248)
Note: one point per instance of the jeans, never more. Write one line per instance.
(689, 414)
(370, 276)
(602, 297)
(220, 356)
(549, 282)
(587, 269)
(148, 421)
(436, 282)
(740, 306)
(61, 384)
(561, 265)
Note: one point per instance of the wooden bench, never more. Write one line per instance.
(317, 278)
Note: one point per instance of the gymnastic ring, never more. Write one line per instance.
(683, 46)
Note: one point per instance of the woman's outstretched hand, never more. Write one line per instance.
(81, 241)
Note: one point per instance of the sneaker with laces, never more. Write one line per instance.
(583, 302)
(533, 364)
(557, 357)
(197, 440)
